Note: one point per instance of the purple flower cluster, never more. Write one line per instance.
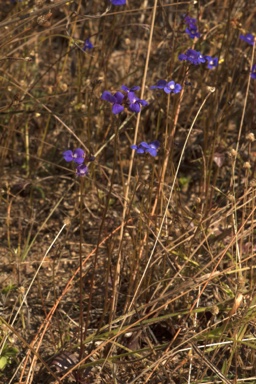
(168, 87)
(191, 29)
(144, 147)
(118, 100)
(248, 38)
(196, 58)
(78, 156)
(127, 98)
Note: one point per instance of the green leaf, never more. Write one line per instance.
(3, 362)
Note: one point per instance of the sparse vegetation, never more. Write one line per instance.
(127, 191)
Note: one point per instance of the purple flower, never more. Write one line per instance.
(212, 62)
(87, 45)
(77, 155)
(192, 31)
(144, 147)
(115, 99)
(159, 85)
(135, 103)
(118, 2)
(248, 38)
(194, 57)
(189, 20)
(253, 71)
(82, 170)
(182, 57)
(168, 87)
(132, 89)
(172, 87)
(141, 148)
